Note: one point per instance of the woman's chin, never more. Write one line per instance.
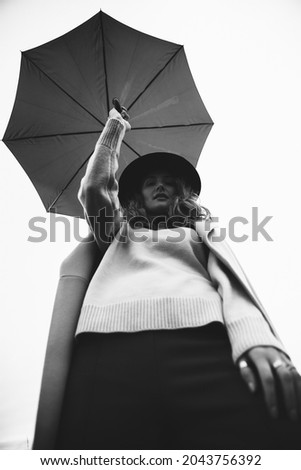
(160, 207)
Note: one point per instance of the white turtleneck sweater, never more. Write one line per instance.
(150, 280)
(159, 279)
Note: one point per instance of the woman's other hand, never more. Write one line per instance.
(273, 366)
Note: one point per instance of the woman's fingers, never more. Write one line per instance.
(247, 375)
(124, 114)
(267, 382)
(272, 367)
(286, 379)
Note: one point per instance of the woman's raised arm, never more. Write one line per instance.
(98, 193)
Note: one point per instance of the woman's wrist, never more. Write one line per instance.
(112, 134)
(114, 131)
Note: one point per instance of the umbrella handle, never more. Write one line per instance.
(121, 109)
(117, 105)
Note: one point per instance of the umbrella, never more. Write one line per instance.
(64, 94)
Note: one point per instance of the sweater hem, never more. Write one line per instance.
(150, 314)
(178, 327)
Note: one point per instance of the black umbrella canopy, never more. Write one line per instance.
(64, 94)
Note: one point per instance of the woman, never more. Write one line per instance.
(173, 349)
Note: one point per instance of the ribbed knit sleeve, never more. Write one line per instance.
(101, 169)
(245, 323)
(112, 135)
(98, 193)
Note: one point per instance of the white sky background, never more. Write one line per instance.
(245, 59)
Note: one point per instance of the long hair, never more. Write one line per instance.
(184, 211)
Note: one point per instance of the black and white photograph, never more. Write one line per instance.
(150, 164)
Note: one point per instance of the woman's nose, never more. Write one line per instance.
(160, 186)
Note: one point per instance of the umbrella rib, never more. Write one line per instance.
(71, 179)
(154, 78)
(131, 148)
(173, 125)
(62, 89)
(67, 184)
(98, 132)
(104, 61)
(52, 135)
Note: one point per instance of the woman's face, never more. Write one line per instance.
(159, 189)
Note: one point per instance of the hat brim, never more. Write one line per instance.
(131, 178)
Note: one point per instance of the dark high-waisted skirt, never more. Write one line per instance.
(165, 389)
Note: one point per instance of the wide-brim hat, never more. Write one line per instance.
(131, 178)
